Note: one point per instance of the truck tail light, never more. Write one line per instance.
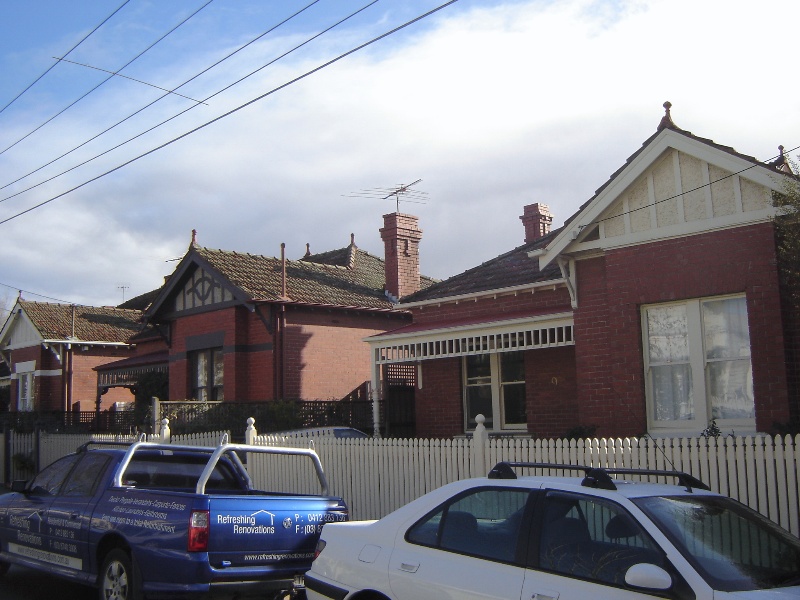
(199, 524)
(320, 547)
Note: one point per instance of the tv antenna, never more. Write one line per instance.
(402, 192)
(123, 287)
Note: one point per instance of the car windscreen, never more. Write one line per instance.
(731, 546)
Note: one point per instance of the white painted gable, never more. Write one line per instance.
(19, 332)
(678, 185)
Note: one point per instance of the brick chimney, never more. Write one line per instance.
(537, 220)
(401, 236)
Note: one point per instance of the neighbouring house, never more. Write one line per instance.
(52, 350)
(655, 308)
(240, 327)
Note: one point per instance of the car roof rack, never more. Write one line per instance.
(596, 477)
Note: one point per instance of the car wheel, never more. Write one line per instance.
(117, 580)
(4, 566)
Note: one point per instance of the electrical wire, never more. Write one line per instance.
(118, 74)
(135, 58)
(35, 81)
(217, 63)
(233, 111)
(21, 291)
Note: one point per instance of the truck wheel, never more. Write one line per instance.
(117, 580)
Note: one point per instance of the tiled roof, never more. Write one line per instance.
(316, 279)
(91, 323)
(140, 302)
(511, 269)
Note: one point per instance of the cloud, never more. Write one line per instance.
(493, 106)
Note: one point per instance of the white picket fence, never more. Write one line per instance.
(376, 476)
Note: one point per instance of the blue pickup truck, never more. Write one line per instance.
(156, 520)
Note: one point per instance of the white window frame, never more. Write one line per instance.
(498, 413)
(24, 374)
(698, 363)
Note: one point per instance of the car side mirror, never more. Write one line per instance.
(18, 485)
(649, 577)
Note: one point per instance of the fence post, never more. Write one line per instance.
(155, 409)
(164, 433)
(250, 433)
(480, 439)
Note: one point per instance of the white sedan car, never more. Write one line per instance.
(560, 538)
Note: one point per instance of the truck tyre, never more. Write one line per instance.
(117, 579)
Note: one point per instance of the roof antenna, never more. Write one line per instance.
(401, 192)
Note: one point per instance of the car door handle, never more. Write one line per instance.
(408, 567)
(548, 595)
(75, 516)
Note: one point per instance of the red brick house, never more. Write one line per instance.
(655, 308)
(247, 328)
(52, 350)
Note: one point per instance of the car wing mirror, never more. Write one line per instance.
(19, 485)
(649, 577)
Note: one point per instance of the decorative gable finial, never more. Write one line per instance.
(194, 239)
(666, 120)
(780, 163)
(308, 250)
(352, 239)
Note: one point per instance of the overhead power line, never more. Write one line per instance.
(21, 291)
(118, 74)
(35, 81)
(135, 58)
(235, 110)
(130, 116)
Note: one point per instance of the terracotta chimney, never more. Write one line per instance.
(537, 220)
(401, 236)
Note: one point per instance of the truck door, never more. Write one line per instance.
(26, 530)
(69, 514)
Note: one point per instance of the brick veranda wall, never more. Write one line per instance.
(608, 330)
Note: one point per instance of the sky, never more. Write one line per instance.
(109, 161)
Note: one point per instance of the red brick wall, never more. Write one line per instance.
(438, 405)
(608, 322)
(246, 347)
(550, 390)
(326, 355)
(84, 378)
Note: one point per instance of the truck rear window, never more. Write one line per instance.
(178, 472)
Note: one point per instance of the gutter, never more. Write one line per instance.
(551, 284)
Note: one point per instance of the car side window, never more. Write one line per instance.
(485, 523)
(592, 538)
(49, 479)
(85, 477)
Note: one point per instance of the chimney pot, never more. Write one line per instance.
(537, 220)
